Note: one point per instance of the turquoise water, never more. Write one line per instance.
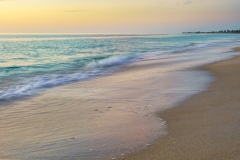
(30, 63)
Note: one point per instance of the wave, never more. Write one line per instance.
(190, 47)
(111, 61)
(98, 66)
(29, 86)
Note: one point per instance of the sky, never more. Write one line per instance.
(118, 16)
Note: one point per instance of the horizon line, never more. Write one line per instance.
(94, 33)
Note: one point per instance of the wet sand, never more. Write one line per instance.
(206, 126)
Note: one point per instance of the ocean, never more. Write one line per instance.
(59, 93)
(30, 63)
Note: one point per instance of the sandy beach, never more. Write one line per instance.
(108, 80)
(206, 126)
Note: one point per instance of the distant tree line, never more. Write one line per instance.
(229, 31)
(222, 31)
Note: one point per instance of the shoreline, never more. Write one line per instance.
(206, 125)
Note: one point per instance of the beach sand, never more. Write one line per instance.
(206, 126)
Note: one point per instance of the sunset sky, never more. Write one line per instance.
(117, 16)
